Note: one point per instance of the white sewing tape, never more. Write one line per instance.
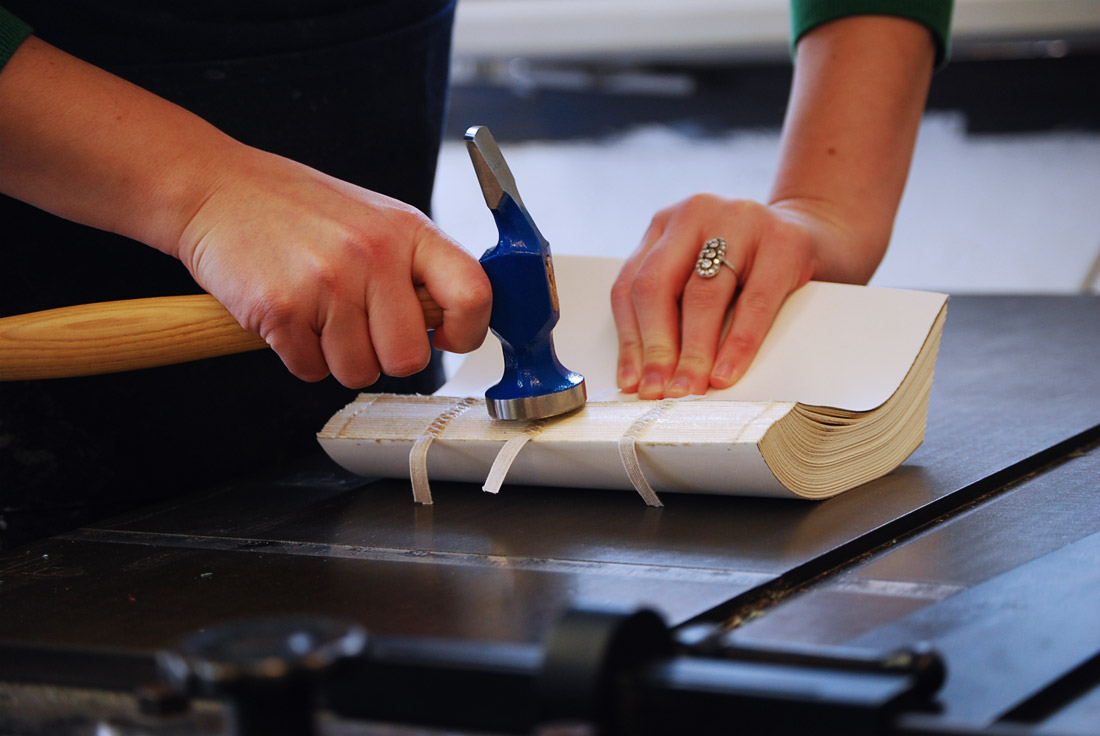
(502, 463)
(418, 455)
(628, 453)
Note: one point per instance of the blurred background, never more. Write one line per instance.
(608, 110)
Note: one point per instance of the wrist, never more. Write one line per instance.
(846, 247)
(185, 176)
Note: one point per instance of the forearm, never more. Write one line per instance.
(90, 147)
(857, 98)
(323, 270)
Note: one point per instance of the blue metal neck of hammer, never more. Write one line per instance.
(524, 307)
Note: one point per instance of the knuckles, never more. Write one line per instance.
(271, 313)
(647, 284)
(756, 301)
(741, 344)
(629, 344)
(705, 207)
(312, 374)
(403, 365)
(694, 364)
(622, 293)
(700, 296)
(657, 355)
(477, 295)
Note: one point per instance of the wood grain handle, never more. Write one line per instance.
(110, 337)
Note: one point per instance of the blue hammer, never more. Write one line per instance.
(525, 299)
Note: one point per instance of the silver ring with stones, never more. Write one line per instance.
(711, 259)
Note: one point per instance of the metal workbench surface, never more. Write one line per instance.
(990, 532)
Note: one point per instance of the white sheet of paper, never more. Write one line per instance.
(833, 345)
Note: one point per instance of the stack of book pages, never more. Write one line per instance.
(836, 397)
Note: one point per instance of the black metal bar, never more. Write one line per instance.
(50, 664)
(708, 696)
(469, 685)
(919, 660)
(613, 670)
(635, 684)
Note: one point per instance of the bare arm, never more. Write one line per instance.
(321, 269)
(856, 103)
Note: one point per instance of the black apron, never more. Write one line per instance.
(356, 89)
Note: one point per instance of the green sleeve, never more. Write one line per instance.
(12, 33)
(935, 14)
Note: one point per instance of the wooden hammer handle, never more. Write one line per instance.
(110, 337)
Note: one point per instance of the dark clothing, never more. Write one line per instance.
(354, 89)
(13, 32)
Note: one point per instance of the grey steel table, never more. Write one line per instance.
(985, 543)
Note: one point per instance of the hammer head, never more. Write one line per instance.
(535, 384)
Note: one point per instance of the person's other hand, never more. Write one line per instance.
(325, 271)
(677, 334)
(856, 103)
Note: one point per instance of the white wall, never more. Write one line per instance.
(981, 214)
(722, 29)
